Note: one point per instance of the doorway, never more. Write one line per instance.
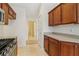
(31, 32)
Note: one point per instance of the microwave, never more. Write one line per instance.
(2, 16)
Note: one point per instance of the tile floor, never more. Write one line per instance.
(32, 49)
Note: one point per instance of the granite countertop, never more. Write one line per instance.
(63, 37)
(7, 36)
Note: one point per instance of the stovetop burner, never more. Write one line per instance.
(4, 43)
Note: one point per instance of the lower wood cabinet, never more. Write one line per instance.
(67, 49)
(54, 47)
(76, 49)
(46, 43)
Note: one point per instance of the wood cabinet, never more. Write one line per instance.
(67, 49)
(9, 12)
(68, 13)
(0, 5)
(51, 23)
(65, 13)
(53, 47)
(77, 13)
(46, 39)
(57, 16)
(5, 8)
(76, 49)
(12, 14)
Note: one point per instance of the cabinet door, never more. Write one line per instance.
(67, 49)
(50, 19)
(77, 12)
(10, 13)
(76, 49)
(53, 47)
(14, 15)
(5, 8)
(57, 15)
(68, 13)
(46, 43)
(0, 5)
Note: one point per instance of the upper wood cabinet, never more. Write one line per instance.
(9, 12)
(77, 13)
(5, 8)
(12, 14)
(0, 5)
(65, 13)
(51, 23)
(68, 13)
(57, 16)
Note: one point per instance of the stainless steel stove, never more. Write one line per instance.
(8, 47)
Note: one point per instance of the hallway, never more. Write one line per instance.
(32, 49)
(32, 46)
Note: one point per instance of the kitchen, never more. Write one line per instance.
(56, 31)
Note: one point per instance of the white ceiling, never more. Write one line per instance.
(32, 9)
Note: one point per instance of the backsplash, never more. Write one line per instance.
(68, 29)
(7, 29)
